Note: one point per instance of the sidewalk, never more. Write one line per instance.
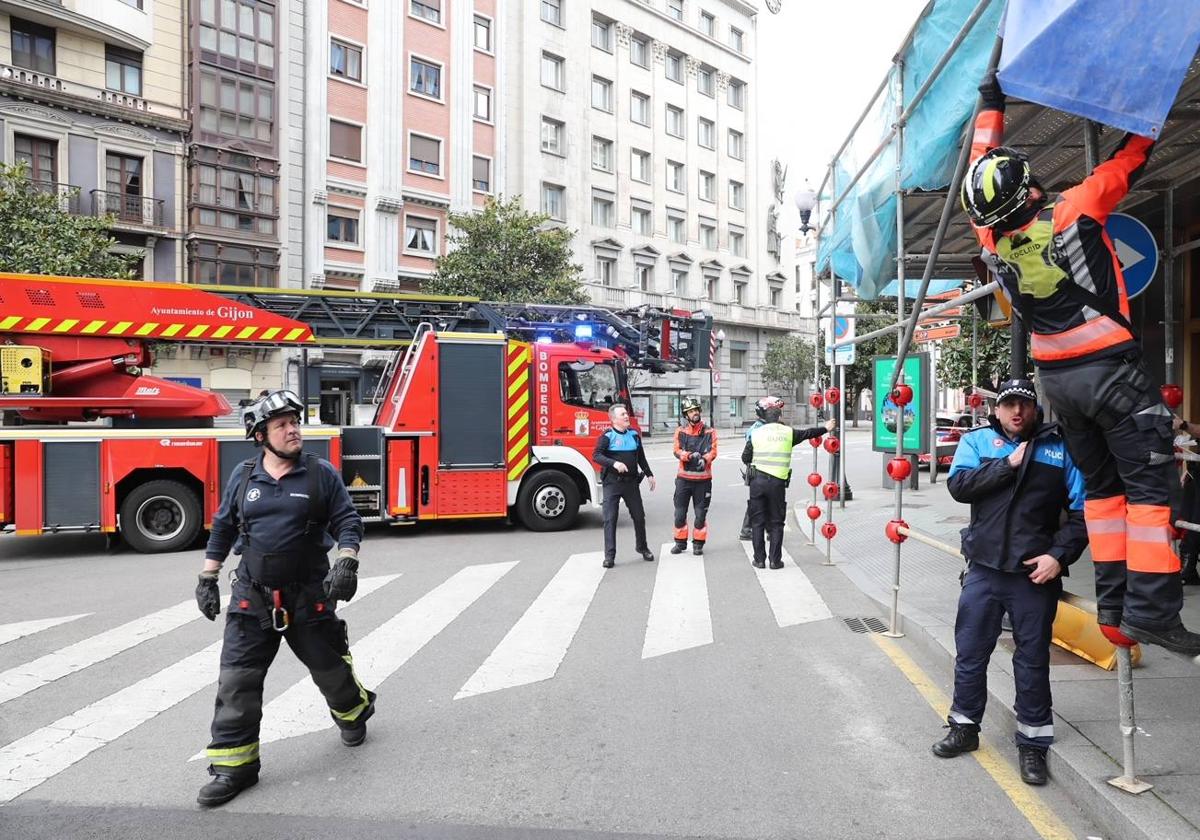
(1088, 748)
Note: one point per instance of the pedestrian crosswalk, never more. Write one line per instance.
(678, 617)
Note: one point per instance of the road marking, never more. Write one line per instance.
(537, 643)
(792, 597)
(679, 615)
(43, 754)
(12, 632)
(23, 679)
(1044, 821)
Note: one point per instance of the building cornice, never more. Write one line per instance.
(85, 104)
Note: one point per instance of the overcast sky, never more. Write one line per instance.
(819, 62)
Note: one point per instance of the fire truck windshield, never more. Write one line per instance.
(590, 384)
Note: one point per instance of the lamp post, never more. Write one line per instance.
(719, 335)
(805, 200)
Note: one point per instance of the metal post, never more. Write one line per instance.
(1016, 349)
(974, 357)
(898, 69)
(817, 387)
(1169, 286)
(843, 479)
(712, 400)
(1128, 780)
(304, 382)
(933, 398)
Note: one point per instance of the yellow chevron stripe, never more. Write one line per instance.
(520, 423)
(519, 447)
(171, 329)
(518, 404)
(10, 322)
(221, 332)
(516, 361)
(269, 333)
(144, 329)
(197, 331)
(36, 324)
(518, 383)
(65, 325)
(93, 326)
(247, 332)
(294, 334)
(516, 469)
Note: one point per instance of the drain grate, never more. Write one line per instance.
(865, 624)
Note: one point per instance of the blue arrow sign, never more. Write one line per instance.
(1136, 249)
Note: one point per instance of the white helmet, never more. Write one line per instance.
(272, 405)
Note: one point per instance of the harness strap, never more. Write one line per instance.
(239, 502)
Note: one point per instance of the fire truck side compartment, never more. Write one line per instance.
(70, 480)
(471, 405)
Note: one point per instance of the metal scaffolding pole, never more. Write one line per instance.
(1169, 285)
(894, 628)
(983, 291)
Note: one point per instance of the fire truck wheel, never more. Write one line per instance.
(160, 516)
(548, 501)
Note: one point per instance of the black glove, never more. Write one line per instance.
(208, 597)
(990, 92)
(342, 581)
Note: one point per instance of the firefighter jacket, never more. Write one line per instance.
(1017, 514)
(692, 440)
(626, 447)
(769, 447)
(1061, 270)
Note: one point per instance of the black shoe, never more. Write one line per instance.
(647, 555)
(679, 547)
(223, 788)
(745, 535)
(960, 739)
(354, 737)
(697, 548)
(758, 564)
(1177, 640)
(608, 563)
(1033, 765)
(776, 564)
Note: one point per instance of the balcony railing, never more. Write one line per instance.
(68, 194)
(624, 297)
(116, 99)
(129, 210)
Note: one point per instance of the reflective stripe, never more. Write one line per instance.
(232, 756)
(986, 137)
(958, 717)
(1087, 338)
(1149, 534)
(353, 714)
(1105, 520)
(1105, 526)
(1046, 731)
(1150, 547)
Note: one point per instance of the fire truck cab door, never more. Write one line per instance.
(587, 389)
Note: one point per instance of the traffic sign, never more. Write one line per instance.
(937, 333)
(840, 328)
(1136, 249)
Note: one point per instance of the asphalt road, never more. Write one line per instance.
(523, 693)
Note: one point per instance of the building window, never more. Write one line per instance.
(602, 94)
(674, 121)
(552, 137)
(425, 78)
(345, 60)
(483, 34)
(420, 235)
(673, 67)
(553, 201)
(712, 286)
(737, 243)
(679, 281)
(424, 155)
(123, 183)
(675, 9)
(639, 166)
(602, 154)
(238, 34)
(707, 186)
(33, 46)
(739, 294)
(737, 357)
(430, 10)
(708, 235)
(643, 275)
(639, 51)
(123, 70)
(602, 209)
(736, 39)
(675, 182)
(776, 298)
(606, 270)
(737, 95)
(640, 220)
(705, 133)
(602, 34)
(676, 227)
(737, 145)
(39, 156)
(737, 195)
(737, 406)
(639, 108)
(704, 81)
(552, 71)
(233, 191)
(233, 265)
(552, 11)
(341, 226)
(345, 141)
(481, 174)
(483, 103)
(708, 24)
(237, 107)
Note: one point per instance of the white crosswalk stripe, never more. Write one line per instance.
(679, 612)
(790, 593)
(20, 629)
(43, 754)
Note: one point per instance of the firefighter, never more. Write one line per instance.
(281, 513)
(768, 452)
(696, 449)
(1061, 271)
(623, 461)
(1019, 479)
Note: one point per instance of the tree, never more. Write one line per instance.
(505, 253)
(787, 363)
(39, 236)
(954, 363)
(858, 375)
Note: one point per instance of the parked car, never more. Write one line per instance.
(951, 426)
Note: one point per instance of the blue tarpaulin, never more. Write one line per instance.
(1118, 62)
(936, 287)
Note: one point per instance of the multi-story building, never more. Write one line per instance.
(645, 111)
(92, 102)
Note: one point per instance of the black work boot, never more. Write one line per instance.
(608, 563)
(224, 787)
(1032, 761)
(745, 534)
(354, 737)
(962, 737)
(697, 546)
(647, 555)
(758, 564)
(679, 547)
(1178, 639)
(776, 564)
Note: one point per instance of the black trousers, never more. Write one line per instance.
(1119, 434)
(986, 595)
(698, 494)
(614, 492)
(247, 653)
(768, 509)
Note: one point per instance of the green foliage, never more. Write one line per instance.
(858, 375)
(788, 361)
(954, 363)
(38, 236)
(505, 253)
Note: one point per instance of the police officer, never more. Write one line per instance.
(768, 451)
(619, 452)
(278, 512)
(696, 449)
(745, 532)
(1018, 477)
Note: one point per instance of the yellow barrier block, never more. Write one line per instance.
(1076, 629)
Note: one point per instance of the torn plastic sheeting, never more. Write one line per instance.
(1118, 62)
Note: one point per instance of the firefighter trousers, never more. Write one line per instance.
(247, 653)
(697, 493)
(987, 594)
(1119, 434)
(614, 492)
(768, 509)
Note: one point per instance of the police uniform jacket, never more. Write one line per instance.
(626, 447)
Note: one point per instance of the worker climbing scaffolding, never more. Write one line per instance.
(1062, 274)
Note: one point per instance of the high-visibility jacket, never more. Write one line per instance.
(691, 439)
(1061, 270)
(773, 444)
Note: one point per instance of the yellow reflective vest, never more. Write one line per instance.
(773, 444)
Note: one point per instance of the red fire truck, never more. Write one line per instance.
(484, 411)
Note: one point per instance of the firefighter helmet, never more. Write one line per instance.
(769, 409)
(689, 404)
(996, 186)
(273, 404)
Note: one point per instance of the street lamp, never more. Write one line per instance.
(805, 200)
(719, 335)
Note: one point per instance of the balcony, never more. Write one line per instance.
(68, 194)
(55, 91)
(623, 297)
(129, 212)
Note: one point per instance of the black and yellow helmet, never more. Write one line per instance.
(274, 404)
(996, 186)
(689, 404)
